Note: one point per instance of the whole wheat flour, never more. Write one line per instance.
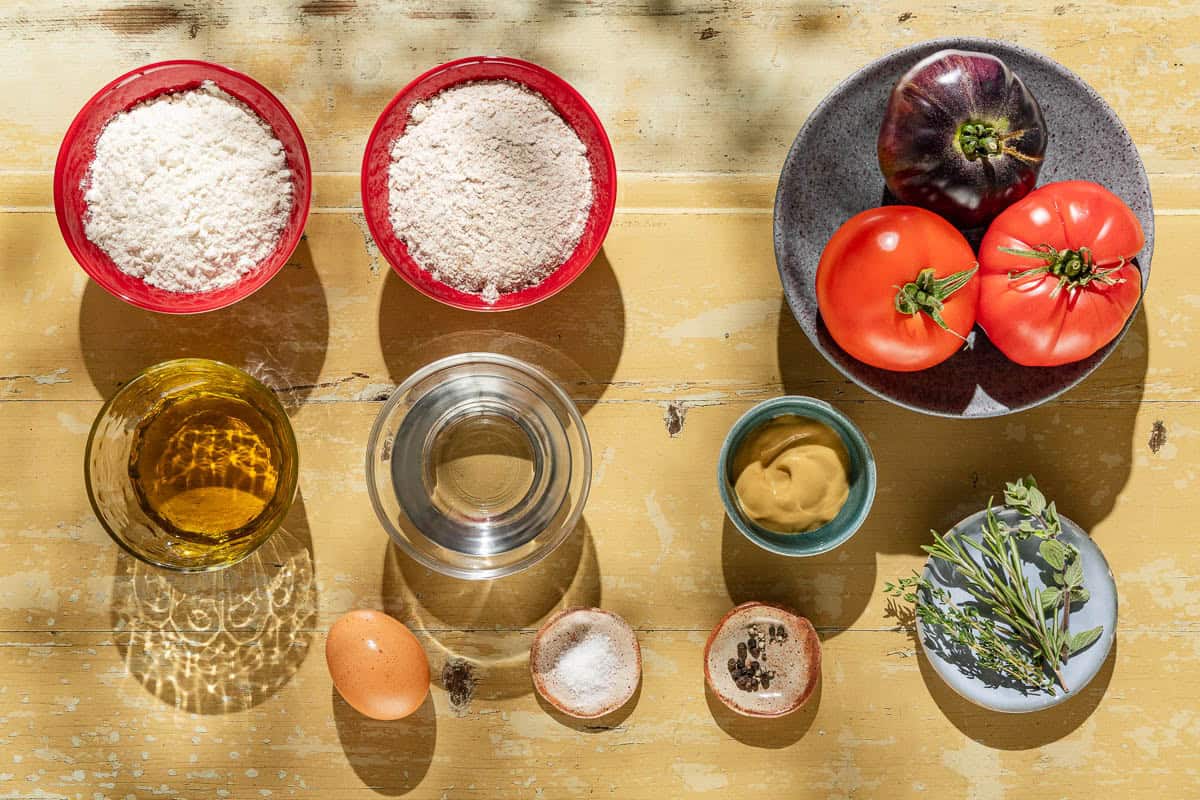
(188, 191)
(489, 188)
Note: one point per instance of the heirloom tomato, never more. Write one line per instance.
(1057, 278)
(897, 288)
(961, 136)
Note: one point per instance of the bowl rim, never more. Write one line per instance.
(71, 137)
(293, 475)
(536, 647)
(852, 436)
(373, 439)
(985, 44)
(605, 215)
(941, 667)
(802, 622)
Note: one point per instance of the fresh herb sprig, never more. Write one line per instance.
(1041, 520)
(1010, 627)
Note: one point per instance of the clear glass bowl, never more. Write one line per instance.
(111, 488)
(478, 466)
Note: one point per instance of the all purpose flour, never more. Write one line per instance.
(489, 188)
(189, 191)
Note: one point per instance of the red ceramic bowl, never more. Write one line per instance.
(79, 149)
(571, 107)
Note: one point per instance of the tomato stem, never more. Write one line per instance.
(1074, 269)
(979, 140)
(929, 294)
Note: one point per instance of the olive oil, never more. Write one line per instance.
(205, 465)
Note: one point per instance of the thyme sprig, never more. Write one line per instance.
(1009, 627)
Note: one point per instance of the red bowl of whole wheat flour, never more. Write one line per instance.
(573, 110)
(78, 151)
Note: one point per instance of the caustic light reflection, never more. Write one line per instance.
(223, 641)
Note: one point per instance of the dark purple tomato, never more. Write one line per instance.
(961, 136)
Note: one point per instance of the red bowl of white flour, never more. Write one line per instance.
(436, 219)
(119, 219)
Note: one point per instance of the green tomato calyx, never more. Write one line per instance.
(979, 140)
(1074, 269)
(929, 294)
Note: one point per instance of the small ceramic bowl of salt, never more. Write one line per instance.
(586, 662)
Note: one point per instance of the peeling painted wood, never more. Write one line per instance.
(116, 680)
(728, 336)
(98, 726)
(735, 98)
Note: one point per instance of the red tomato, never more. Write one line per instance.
(897, 288)
(1057, 278)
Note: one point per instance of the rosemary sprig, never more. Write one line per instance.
(1011, 628)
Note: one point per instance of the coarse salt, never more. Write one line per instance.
(587, 670)
(489, 188)
(188, 191)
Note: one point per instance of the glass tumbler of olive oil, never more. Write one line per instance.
(191, 465)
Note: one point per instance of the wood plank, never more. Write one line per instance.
(654, 526)
(117, 680)
(704, 85)
(101, 726)
(678, 307)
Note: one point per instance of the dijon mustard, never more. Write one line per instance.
(792, 474)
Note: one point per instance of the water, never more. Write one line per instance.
(481, 464)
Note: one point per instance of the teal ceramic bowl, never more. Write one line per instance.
(862, 478)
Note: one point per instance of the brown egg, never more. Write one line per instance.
(377, 665)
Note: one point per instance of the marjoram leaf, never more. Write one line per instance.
(1078, 641)
(1050, 598)
(1015, 493)
(1053, 552)
(1037, 502)
(1080, 595)
(1074, 572)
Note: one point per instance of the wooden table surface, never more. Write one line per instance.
(119, 681)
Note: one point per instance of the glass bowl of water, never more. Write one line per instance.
(478, 466)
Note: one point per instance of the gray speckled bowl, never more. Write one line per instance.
(832, 173)
(958, 667)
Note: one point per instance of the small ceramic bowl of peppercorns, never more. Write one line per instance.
(763, 660)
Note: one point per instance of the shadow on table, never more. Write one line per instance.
(279, 334)
(492, 660)
(390, 757)
(576, 336)
(219, 642)
(769, 733)
(997, 729)
(938, 471)
(831, 589)
(687, 42)
(1080, 446)
(1002, 731)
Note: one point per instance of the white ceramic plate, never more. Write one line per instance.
(958, 667)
